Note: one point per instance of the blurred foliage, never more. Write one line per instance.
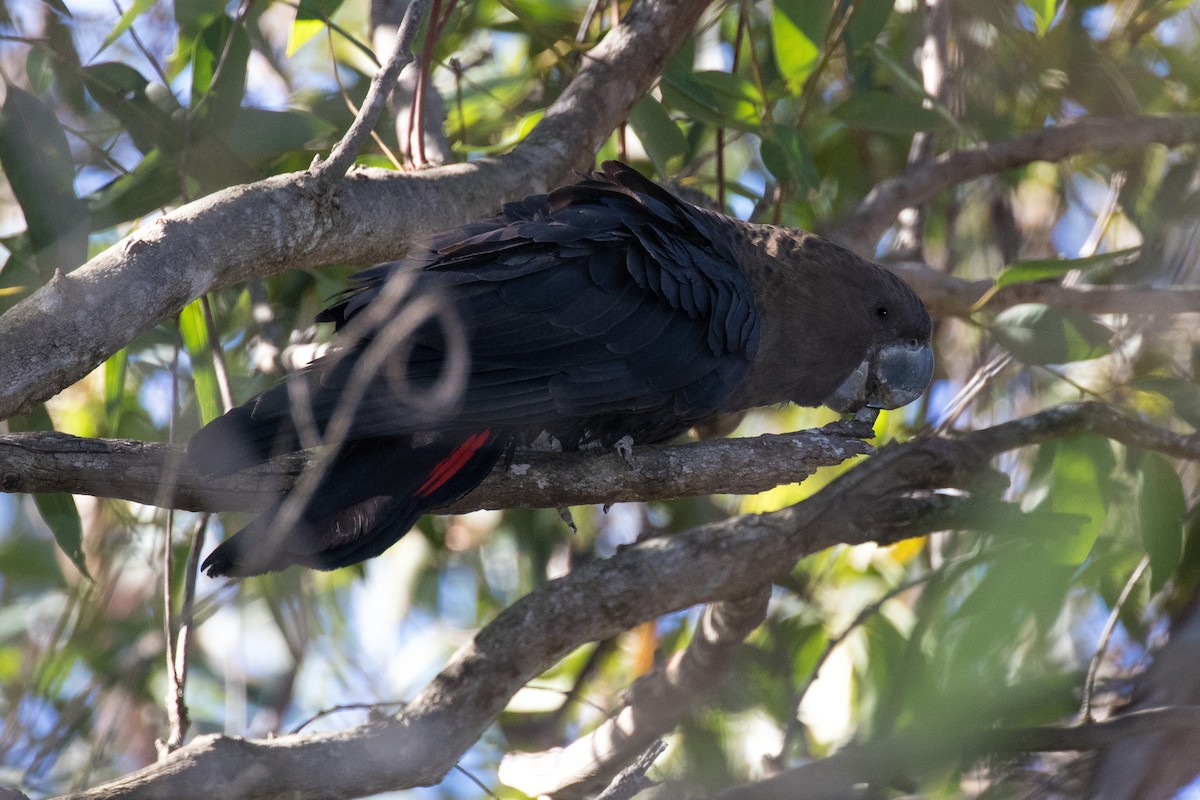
(109, 117)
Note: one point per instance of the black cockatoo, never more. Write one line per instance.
(607, 309)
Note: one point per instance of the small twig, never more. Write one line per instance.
(632, 779)
(372, 707)
(177, 713)
(345, 151)
(1089, 685)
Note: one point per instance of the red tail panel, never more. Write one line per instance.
(458, 458)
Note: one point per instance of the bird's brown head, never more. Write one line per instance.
(898, 363)
(838, 330)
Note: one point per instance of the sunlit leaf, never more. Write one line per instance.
(1183, 394)
(115, 369)
(311, 17)
(194, 332)
(1073, 477)
(1044, 12)
(126, 21)
(798, 30)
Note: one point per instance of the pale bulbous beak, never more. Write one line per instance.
(893, 377)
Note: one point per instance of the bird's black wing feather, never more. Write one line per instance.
(607, 298)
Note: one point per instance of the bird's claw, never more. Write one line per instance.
(564, 514)
(624, 447)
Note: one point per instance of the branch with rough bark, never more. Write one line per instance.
(73, 323)
(891, 496)
(861, 229)
(131, 470)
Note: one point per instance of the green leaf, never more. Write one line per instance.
(194, 332)
(1161, 509)
(1048, 268)
(148, 112)
(152, 184)
(1072, 477)
(870, 17)
(657, 132)
(258, 135)
(115, 369)
(716, 98)
(1038, 334)
(126, 21)
(885, 112)
(219, 59)
(311, 17)
(786, 156)
(37, 162)
(57, 508)
(1044, 12)
(798, 29)
(1183, 394)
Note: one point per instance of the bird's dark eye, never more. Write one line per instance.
(881, 312)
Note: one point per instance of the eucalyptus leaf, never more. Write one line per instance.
(1161, 509)
(1039, 334)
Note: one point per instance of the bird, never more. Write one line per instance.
(606, 312)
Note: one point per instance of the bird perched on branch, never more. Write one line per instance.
(606, 312)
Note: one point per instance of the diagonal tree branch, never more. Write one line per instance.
(889, 497)
(861, 229)
(77, 320)
(652, 708)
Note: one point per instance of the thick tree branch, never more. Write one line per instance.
(130, 470)
(653, 706)
(77, 320)
(861, 229)
(887, 498)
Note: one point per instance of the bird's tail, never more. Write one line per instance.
(371, 493)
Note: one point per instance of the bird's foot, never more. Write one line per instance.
(860, 426)
(624, 447)
(564, 514)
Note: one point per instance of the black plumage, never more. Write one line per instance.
(606, 309)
